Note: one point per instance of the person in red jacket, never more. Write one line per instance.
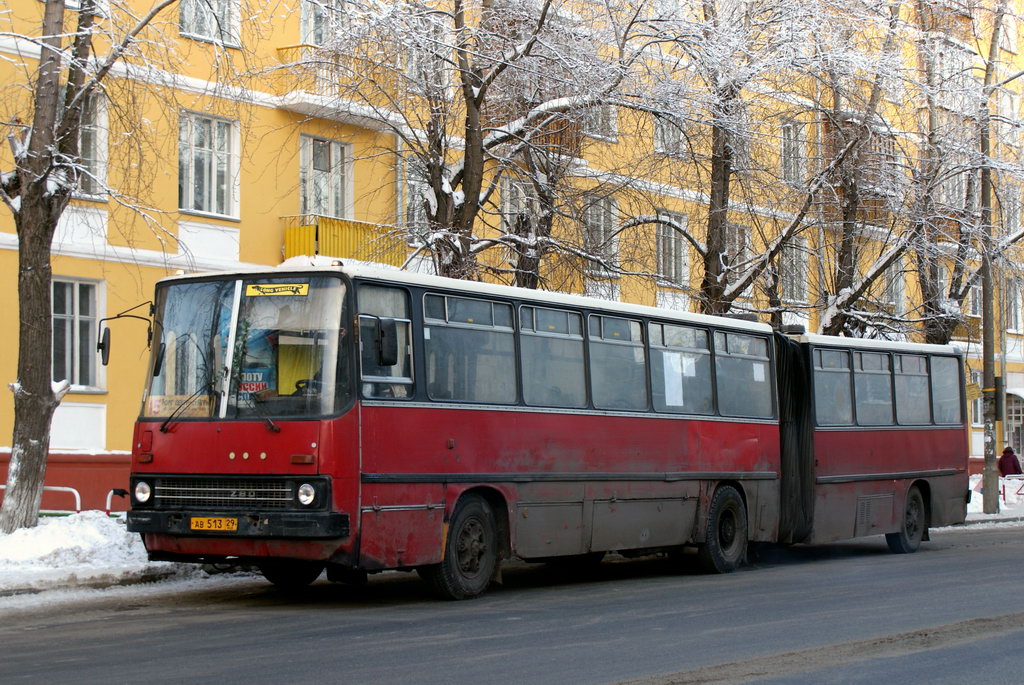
(1008, 463)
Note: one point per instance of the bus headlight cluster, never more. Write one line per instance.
(306, 494)
(142, 492)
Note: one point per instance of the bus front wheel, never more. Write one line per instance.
(725, 543)
(471, 552)
(908, 538)
(291, 574)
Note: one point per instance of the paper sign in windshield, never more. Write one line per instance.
(277, 289)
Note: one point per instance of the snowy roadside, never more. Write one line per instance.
(68, 557)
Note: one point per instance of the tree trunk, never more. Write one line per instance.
(34, 399)
(712, 287)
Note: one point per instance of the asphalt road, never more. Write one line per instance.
(847, 612)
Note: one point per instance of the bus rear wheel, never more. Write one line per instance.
(471, 552)
(291, 574)
(725, 543)
(915, 521)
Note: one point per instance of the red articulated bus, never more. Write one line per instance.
(359, 420)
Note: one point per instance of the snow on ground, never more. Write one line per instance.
(69, 557)
(82, 550)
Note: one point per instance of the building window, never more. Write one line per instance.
(793, 271)
(207, 165)
(792, 153)
(321, 19)
(977, 404)
(518, 204)
(215, 20)
(894, 292)
(323, 177)
(600, 122)
(92, 146)
(1010, 213)
(74, 332)
(673, 265)
(599, 236)
(668, 136)
(975, 298)
(1012, 305)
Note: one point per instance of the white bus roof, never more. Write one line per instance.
(357, 269)
(870, 344)
(477, 288)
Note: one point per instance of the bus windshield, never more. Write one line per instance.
(250, 348)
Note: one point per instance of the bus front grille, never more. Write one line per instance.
(222, 493)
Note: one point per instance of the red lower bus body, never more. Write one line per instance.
(556, 481)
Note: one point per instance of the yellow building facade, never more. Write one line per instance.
(222, 156)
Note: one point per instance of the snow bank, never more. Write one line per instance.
(82, 549)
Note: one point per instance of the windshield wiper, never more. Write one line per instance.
(184, 405)
(255, 404)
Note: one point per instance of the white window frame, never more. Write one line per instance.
(894, 288)
(337, 177)
(410, 210)
(737, 248)
(793, 271)
(517, 197)
(668, 138)
(954, 66)
(1011, 302)
(422, 62)
(215, 21)
(791, 152)
(321, 18)
(601, 121)
(600, 220)
(224, 131)
(974, 294)
(977, 404)
(79, 346)
(93, 150)
(673, 252)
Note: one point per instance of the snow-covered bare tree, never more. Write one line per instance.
(725, 65)
(75, 52)
(471, 91)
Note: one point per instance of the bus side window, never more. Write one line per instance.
(743, 375)
(680, 369)
(872, 384)
(833, 388)
(912, 406)
(618, 364)
(470, 350)
(552, 349)
(946, 389)
(384, 381)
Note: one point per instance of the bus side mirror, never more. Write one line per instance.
(103, 346)
(387, 342)
(158, 363)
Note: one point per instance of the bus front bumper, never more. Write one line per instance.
(308, 525)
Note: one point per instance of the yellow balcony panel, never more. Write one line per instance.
(310, 81)
(343, 238)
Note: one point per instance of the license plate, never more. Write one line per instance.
(213, 523)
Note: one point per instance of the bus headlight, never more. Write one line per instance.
(142, 492)
(306, 494)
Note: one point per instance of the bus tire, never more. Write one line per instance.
(725, 542)
(291, 574)
(912, 528)
(471, 552)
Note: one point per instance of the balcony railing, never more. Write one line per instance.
(343, 238)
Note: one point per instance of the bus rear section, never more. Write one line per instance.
(889, 442)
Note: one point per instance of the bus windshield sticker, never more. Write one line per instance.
(277, 289)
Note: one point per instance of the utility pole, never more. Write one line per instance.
(990, 477)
